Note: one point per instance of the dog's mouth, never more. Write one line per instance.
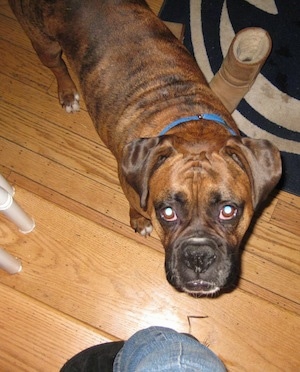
(201, 287)
(200, 266)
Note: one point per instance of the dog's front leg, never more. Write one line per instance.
(139, 223)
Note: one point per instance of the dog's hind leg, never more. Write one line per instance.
(51, 56)
(49, 51)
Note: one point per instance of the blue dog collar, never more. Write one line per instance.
(212, 117)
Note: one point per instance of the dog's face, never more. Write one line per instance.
(201, 202)
(201, 215)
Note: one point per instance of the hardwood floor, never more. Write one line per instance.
(87, 278)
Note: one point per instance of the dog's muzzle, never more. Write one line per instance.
(198, 265)
(198, 254)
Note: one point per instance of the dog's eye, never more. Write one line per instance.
(228, 212)
(168, 214)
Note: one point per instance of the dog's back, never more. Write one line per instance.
(125, 58)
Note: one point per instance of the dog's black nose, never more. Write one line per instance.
(198, 258)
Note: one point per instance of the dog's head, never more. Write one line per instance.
(201, 201)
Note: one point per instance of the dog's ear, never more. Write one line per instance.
(141, 158)
(260, 160)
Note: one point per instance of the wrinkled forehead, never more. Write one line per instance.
(205, 174)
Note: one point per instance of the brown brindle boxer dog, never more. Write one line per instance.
(182, 163)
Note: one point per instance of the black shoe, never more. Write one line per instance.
(99, 358)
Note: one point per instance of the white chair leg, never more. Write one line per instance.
(6, 186)
(9, 263)
(11, 209)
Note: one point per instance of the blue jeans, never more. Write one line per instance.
(163, 349)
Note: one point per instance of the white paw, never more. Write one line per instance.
(73, 106)
(146, 231)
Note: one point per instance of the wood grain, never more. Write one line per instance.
(27, 344)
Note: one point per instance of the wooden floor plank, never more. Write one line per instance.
(88, 192)
(287, 216)
(43, 107)
(290, 199)
(33, 347)
(10, 30)
(59, 144)
(20, 64)
(79, 209)
(275, 244)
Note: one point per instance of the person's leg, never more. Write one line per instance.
(99, 358)
(163, 349)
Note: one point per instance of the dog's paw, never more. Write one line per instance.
(141, 225)
(146, 231)
(70, 102)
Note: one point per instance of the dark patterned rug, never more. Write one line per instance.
(271, 109)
